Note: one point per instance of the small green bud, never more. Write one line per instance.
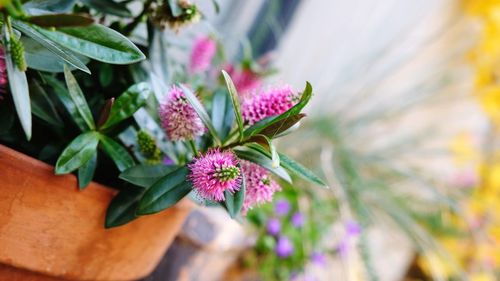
(148, 147)
(17, 52)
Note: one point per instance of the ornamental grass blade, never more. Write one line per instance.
(165, 193)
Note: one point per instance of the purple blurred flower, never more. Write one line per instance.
(298, 220)
(282, 207)
(352, 228)
(167, 161)
(318, 258)
(273, 226)
(284, 247)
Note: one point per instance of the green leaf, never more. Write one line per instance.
(127, 104)
(78, 99)
(200, 110)
(144, 175)
(77, 153)
(219, 102)
(97, 42)
(122, 208)
(61, 20)
(234, 202)
(261, 158)
(261, 125)
(235, 101)
(175, 8)
(19, 88)
(86, 172)
(55, 48)
(108, 7)
(63, 95)
(40, 58)
(281, 126)
(272, 149)
(42, 106)
(300, 170)
(56, 6)
(117, 152)
(165, 193)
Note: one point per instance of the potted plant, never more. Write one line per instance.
(81, 96)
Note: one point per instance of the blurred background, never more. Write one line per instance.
(403, 126)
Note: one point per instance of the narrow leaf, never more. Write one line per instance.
(117, 152)
(262, 159)
(235, 101)
(281, 126)
(200, 110)
(145, 175)
(55, 48)
(61, 20)
(19, 88)
(300, 170)
(86, 172)
(272, 149)
(77, 153)
(42, 106)
(175, 8)
(97, 42)
(165, 192)
(122, 208)
(63, 95)
(110, 7)
(218, 112)
(127, 104)
(55, 6)
(78, 99)
(234, 202)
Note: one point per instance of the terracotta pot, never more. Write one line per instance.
(48, 226)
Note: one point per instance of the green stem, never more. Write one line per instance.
(193, 147)
(131, 26)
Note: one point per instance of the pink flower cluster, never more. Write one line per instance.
(259, 185)
(215, 172)
(178, 117)
(269, 103)
(202, 54)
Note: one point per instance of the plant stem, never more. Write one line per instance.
(193, 147)
(131, 26)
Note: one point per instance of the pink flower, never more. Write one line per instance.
(259, 186)
(4, 81)
(215, 172)
(202, 54)
(269, 103)
(245, 80)
(178, 117)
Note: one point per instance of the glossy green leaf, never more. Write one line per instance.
(200, 110)
(165, 193)
(145, 175)
(55, 48)
(63, 95)
(122, 208)
(127, 104)
(42, 106)
(299, 170)
(234, 202)
(60, 20)
(55, 6)
(40, 58)
(263, 159)
(86, 172)
(108, 7)
(117, 152)
(77, 153)
(19, 89)
(296, 109)
(281, 126)
(78, 99)
(233, 93)
(97, 42)
(272, 149)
